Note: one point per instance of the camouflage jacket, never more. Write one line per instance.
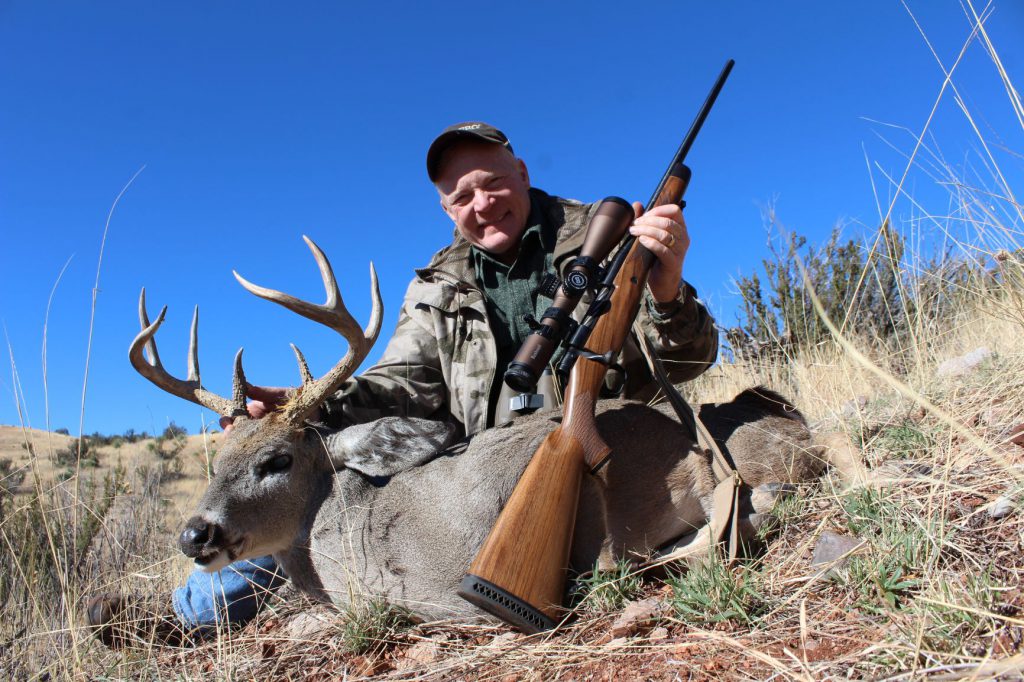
(440, 362)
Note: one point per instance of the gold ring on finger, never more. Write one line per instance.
(671, 240)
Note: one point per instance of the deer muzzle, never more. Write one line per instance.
(202, 541)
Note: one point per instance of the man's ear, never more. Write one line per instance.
(448, 211)
(523, 172)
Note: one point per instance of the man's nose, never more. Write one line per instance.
(482, 200)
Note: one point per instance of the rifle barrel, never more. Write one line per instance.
(691, 134)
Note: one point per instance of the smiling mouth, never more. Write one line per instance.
(494, 223)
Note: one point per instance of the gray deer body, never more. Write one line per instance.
(392, 508)
(410, 531)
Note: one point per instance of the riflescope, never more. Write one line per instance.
(606, 229)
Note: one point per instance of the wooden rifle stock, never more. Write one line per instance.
(519, 574)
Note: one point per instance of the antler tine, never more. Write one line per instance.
(312, 395)
(153, 369)
(193, 348)
(307, 376)
(238, 386)
(332, 314)
(377, 309)
(144, 322)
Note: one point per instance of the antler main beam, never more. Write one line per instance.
(335, 315)
(190, 389)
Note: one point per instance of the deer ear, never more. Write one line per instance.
(390, 445)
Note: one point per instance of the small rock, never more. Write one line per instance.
(830, 547)
(420, 654)
(617, 643)
(658, 633)
(504, 638)
(854, 407)
(366, 666)
(975, 648)
(307, 625)
(636, 615)
(1000, 507)
(994, 415)
(955, 367)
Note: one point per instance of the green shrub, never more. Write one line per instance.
(10, 477)
(871, 292)
(848, 282)
(130, 436)
(78, 452)
(169, 444)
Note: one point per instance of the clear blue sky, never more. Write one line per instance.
(259, 122)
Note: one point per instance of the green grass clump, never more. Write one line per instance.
(903, 441)
(372, 623)
(604, 591)
(711, 592)
(954, 617)
(902, 548)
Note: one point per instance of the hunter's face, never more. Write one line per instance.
(483, 189)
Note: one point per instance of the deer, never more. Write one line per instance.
(397, 508)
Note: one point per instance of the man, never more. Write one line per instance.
(460, 325)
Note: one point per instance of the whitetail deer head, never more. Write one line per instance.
(267, 469)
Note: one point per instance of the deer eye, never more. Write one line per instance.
(276, 465)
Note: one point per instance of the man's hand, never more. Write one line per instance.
(265, 399)
(663, 233)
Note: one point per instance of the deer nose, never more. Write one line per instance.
(199, 537)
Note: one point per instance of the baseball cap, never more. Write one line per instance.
(468, 130)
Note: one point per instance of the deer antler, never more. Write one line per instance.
(334, 315)
(191, 389)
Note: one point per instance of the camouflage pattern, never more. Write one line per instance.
(439, 363)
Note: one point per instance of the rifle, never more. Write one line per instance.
(519, 574)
